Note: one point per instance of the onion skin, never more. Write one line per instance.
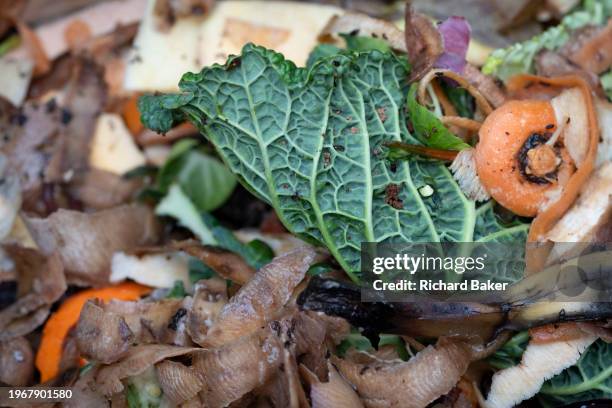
(335, 393)
(248, 310)
(413, 384)
(179, 383)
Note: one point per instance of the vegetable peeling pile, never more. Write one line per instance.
(374, 204)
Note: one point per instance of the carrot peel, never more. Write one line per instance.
(59, 324)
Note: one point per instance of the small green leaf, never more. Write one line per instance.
(261, 252)
(178, 149)
(606, 83)
(359, 342)
(9, 43)
(198, 270)
(177, 205)
(160, 111)
(322, 51)
(510, 353)
(227, 240)
(354, 340)
(397, 342)
(204, 179)
(131, 395)
(362, 43)
(140, 171)
(319, 269)
(428, 128)
(177, 291)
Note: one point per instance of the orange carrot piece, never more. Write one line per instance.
(547, 218)
(59, 324)
(131, 115)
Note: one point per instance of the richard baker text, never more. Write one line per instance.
(429, 285)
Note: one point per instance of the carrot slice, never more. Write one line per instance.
(59, 324)
(546, 219)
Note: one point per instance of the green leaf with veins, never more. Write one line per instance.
(311, 143)
(492, 226)
(590, 378)
(353, 43)
(506, 241)
(322, 51)
(428, 129)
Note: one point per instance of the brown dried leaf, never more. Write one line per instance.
(423, 43)
(40, 283)
(87, 242)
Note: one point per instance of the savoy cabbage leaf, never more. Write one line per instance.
(590, 378)
(311, 142)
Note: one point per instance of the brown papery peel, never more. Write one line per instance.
(546, 219)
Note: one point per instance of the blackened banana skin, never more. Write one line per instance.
(531, 302)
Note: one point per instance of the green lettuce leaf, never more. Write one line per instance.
(203, 178)
(519, 58)
(178, 205)
(311, 143)
(590, 378)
